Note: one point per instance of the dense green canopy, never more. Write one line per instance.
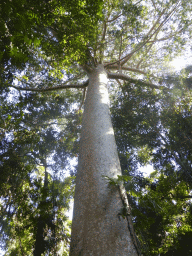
(157, 130)
(47, 46)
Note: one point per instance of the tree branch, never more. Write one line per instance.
(104, 31)
(115, 18)
(177, 197)
(83, 98)
(101, 48)
(145, 41)
(85, 84)
(140, 45)
(133, 80)
(147, 51)
(154, 4)
(147, 37)
(168, 37)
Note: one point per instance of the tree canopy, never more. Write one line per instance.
(48, 46)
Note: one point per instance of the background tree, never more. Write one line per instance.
(32, 197)
(160, 135)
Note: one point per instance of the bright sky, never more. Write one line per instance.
(182, 62)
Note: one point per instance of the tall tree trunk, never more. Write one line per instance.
(96, 228)
(45, 219)
(40, 243)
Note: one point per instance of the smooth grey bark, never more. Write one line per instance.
(96, 228)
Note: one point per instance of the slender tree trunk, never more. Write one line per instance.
(45, 219)
(96, 228)
(40, 244)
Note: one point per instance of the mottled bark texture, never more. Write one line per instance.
(96, 228)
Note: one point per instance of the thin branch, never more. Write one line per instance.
(93, 60)
(141, 44)
(147, 51)
(85, 84)
(104, 31)
(115, 62)
(133, 80)
(120, 54)
(165, 20)
(99, 44)
(168, 37)
(141, 60)
(123, 60)
(154, 4)
(157, 21)
(83, 98)
(139, 2)
(115, 18)
(120, 86)
(101, 48)
(177, 197)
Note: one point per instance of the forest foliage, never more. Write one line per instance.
(46, 46)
